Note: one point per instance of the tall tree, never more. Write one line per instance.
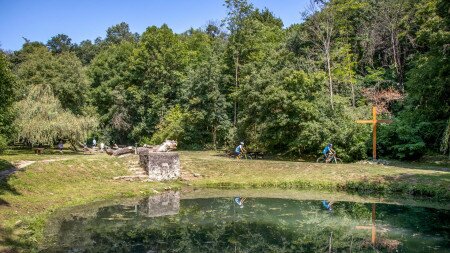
(64, 72)
(203, 91)
(112, 93)
(158, 69)
(238, 11)
(321, 29)
(118, 33)
(86, 51)
(41, 120)
(7, 83)
(60, 43)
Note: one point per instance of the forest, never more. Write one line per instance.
(283, 90)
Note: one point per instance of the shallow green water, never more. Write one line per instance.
(165, 223)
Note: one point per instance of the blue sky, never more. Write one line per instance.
(39, 20)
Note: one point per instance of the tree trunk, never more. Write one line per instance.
(353, 94)
(120, 151)
(236, 85)
(330, 81)
(214, 135)
(74, 147)
(395, 55)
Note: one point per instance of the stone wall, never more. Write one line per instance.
(160, 166)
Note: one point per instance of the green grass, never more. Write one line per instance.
(29, 197)
(220, 171)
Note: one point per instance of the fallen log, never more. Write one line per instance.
(120, 151)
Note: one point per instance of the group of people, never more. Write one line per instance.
(328, 151)
(94, 144)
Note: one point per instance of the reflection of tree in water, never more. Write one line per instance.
(219, 225)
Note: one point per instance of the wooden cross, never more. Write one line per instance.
(374, 122)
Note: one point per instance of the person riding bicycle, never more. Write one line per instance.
(328, 151)
(239, 149)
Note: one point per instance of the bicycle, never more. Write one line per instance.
(330, 159)
(244, 155)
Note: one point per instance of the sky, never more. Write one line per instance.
(39, 20)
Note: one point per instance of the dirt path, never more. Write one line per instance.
(21, 165)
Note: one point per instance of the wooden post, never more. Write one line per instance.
(374, 131)
(374, 122)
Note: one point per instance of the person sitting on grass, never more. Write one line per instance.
(328, 151)
(239, 149)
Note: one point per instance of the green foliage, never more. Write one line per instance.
(3, 143)
(60, 43)
(63, 72)
(119, 33)
(86, 51)
(445, 143)
(172, 126)
(284, 91)
(422, 122)
(112, 94)
(7, 87)
(157, 71)
(41, 119)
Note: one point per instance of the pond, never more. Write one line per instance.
(172, 222)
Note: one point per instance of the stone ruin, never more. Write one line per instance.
(159, 166)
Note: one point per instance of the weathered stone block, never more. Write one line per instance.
(160, 166)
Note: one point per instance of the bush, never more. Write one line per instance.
(3, 143)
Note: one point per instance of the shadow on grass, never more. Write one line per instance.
(436, 187)
(5, 187)
(12, 245)
(421, 166)
(47, 151)
(5, 165)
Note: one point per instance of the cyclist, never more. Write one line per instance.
(327, 151)
(239, 201)
(328, 205)
(239, 149)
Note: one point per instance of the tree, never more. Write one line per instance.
(118, 33)
(203, 92)
(60, 43)
(171, 127)
(321, 29)
(7, 83)
(86, 51)
(238, 11)
(422, 122)
(41, 120)
(64, 72)
(112, 94)
(158, 69)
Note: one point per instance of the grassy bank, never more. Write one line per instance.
(54, 181)
(401, 179)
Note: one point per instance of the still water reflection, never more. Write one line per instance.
(164, 223)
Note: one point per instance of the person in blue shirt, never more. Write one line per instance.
(328, 150)
(239, 149)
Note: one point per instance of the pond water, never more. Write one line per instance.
(168, 223)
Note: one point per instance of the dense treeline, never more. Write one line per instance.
(282, 90)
